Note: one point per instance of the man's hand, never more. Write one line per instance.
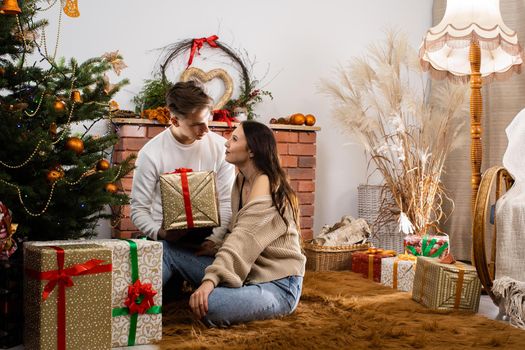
(171, 235)
(207, 248)
(199, 299)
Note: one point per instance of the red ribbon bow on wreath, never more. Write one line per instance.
(198, 43)
(140, 297)
(223, 115)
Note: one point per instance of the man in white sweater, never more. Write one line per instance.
(187, 143)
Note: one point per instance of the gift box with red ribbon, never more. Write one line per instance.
(189, 199)
(368, 262)
(67, 297)
(398, 272)
(137, 288)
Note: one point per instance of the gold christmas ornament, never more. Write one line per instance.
(113, 106)
(75, 96)
(103, 165)
(10, 7)
(111, 188)
(54, 175)
(2, 71)
(71, 8)
(59, 106)
(75, 144)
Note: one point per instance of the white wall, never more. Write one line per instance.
(300, 41)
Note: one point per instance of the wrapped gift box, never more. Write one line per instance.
(134, 259)
(398, 272)
(434, 246)
(189, 199)
(67, 297)
(368, 263)
(443, 286)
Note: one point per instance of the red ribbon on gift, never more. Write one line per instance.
(140, 297)
(223, 115)
(198, 43)
(62, 277)
(186, 194)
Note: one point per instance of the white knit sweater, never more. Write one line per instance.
(260, 248)
(164, 154)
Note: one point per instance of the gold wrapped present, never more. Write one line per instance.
(189, 199)
(443, 286)
(133, 260)
(67, 295)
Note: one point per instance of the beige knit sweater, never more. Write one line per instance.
(260, 248)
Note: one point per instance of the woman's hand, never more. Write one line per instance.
(207, 248)
(199, 299)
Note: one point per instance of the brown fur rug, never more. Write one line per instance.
(341, 310)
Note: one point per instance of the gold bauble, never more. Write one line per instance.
(2, 71)
(59, 106)
(310, 120)
(103, 165)
(54, 175)
(75, 96)
(75, 144)
(10, 7)
(111, 188)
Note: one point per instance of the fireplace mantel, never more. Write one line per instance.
(296, 146)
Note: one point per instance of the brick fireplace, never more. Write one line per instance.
(296, 146)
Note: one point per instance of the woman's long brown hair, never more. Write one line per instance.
(261, 142)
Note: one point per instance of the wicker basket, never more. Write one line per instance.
(369, 199)
(321, 258)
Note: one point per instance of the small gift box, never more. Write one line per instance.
(368, 263)
(399, 272)
(443, 286)
(189, 199)
(137, 288)
(67, 297)
(434, 246)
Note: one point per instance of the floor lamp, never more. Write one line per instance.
(471, 43)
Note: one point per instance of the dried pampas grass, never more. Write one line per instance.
(382, 99)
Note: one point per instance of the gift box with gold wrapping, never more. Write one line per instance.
(398, 272)
(189, 199)
(368, 262)
(133, 259)
(67, 297)
(442, 286)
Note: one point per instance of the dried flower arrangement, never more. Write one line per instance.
(383, 100)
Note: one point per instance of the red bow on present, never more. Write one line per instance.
(198, 43)
(140, 297)
(223, 115)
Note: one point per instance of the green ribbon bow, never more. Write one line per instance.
(124, 311)
(426, 247)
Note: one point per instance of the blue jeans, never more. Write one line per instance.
(227, 306)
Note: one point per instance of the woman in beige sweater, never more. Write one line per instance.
(258, 270)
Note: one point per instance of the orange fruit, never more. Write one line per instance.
(309, 120)
(297, 119)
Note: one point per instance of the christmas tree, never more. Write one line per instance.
(57, 183)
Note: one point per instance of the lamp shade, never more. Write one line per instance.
(445, 48)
